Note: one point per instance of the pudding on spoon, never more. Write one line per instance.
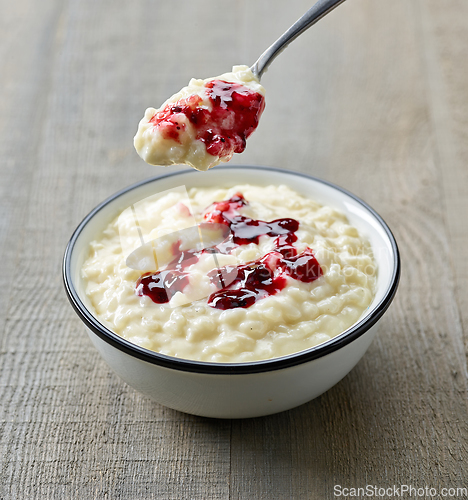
(209, 120)
(205, 123)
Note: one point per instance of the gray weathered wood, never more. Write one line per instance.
(374, 98)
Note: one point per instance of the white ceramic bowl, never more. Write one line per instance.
(236, 390)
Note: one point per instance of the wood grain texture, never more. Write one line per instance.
(373, 98)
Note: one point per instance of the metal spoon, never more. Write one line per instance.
(314, 14)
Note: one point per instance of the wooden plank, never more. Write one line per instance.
(445, 35)
(24, 74)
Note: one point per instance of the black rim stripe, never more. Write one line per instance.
(310, 354)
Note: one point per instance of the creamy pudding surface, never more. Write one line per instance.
(205, 123)
(285, 275)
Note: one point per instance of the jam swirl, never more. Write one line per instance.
(248, 282)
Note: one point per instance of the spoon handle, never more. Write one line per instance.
(314, 14)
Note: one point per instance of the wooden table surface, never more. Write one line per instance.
(373, 98)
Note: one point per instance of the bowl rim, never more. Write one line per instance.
(207, 367)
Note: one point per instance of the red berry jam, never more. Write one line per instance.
(253, 282)
(245, 230)
(160, 287)
(224, 129)
(249, 282)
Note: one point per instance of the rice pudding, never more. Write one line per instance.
(290, 274)
(203, 124)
